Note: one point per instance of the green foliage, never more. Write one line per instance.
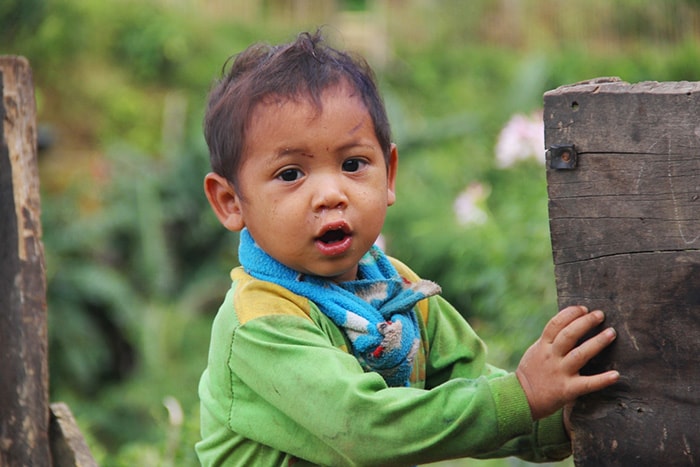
(137, 264)
(19, 17)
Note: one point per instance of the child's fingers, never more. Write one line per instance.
(560, 321)
(587, 384)
(576, 330)
(580, 355)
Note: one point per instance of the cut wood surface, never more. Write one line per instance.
(625, 228)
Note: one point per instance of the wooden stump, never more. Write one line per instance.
(24, 408)
(623, 175)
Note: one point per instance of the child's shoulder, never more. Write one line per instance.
(403, 270)
(254, 298)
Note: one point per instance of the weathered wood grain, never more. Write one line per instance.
(24, 409)
(68, 447)
(625, 227)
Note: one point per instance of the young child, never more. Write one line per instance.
(325, 351)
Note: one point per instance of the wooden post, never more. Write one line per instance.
(623, 175)
(68, 447)
(24, 407)
(32, 432)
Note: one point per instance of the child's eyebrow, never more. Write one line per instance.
(354, 146)
(301, 151)
(290, 151)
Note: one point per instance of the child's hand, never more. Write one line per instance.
(549, 370)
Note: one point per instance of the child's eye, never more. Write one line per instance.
(289, 175)
(353, 165)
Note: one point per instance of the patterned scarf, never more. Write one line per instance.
(376, 311)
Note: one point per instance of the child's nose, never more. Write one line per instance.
(328, 193)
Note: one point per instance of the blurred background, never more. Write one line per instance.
(137, 264)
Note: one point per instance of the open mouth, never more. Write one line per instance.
(335, 239)
(333, 236)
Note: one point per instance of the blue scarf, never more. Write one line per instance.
(376, 311)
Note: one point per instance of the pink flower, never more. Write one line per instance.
(467, 205)
(521, 138)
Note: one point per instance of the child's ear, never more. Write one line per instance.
(224, 201)
(391, 174)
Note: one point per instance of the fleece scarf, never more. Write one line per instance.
(375, 311)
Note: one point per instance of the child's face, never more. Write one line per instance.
(314, 187)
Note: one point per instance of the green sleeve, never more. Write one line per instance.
(279, 386)
(278, 383)
(457, 352)
(312, 400)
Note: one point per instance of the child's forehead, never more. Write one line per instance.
(277, 122)
(272, 103)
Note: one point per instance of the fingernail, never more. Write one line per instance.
(599, 315)
(611, 332)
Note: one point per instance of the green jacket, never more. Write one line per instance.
(281, 389)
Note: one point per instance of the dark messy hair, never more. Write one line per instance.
(302, 69)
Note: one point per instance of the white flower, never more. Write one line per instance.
(521, 138)
(467, 205)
